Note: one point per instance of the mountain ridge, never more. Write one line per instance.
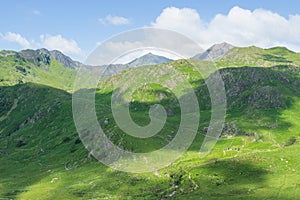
(35, 56)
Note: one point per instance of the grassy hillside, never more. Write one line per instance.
(258, 57)
(42, 157)
(15, 69)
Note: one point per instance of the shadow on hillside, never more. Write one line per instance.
(236, 178)
(228, 178)
(216, 180)
(36, 136)
(273, 58)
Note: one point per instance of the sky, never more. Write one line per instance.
(76, 27)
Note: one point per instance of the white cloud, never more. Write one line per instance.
(131, 44)
(123, 52)
(15, 37)
(51, 42)
(182, 20)
(114, 20)
(239, 27)
(108, 51)
(131, 55)
(60, 43)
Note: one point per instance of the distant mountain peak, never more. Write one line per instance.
(43, 55)
(43, 50)
(65, 60)
(38, 57)
(223, 45)
(214, 52)
(148, 59)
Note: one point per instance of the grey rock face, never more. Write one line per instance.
(258, 88)
(38, 57)
(65, 60)
(215, 52)
(43, 57)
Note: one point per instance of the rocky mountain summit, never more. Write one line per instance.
(43, 56)
(214, 52)
(148, 59)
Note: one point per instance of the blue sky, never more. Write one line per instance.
(82, 24)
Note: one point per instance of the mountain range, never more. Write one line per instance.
(219, 53)
(255, 157)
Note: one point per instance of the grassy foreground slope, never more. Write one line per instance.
(41, 156)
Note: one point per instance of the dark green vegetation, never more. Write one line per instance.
(42, 157)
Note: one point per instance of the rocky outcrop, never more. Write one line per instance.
(259, 88)
(39, 57)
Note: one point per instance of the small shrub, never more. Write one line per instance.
(67, 139)
(21, 69)
(20, 143)
(77, 141)
(290, 141)
(176, 178)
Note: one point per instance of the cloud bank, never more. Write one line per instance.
(15, 37)
(51, 42)
(240, 27)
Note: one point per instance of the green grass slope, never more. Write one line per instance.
(258, 57)
(15, 69)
